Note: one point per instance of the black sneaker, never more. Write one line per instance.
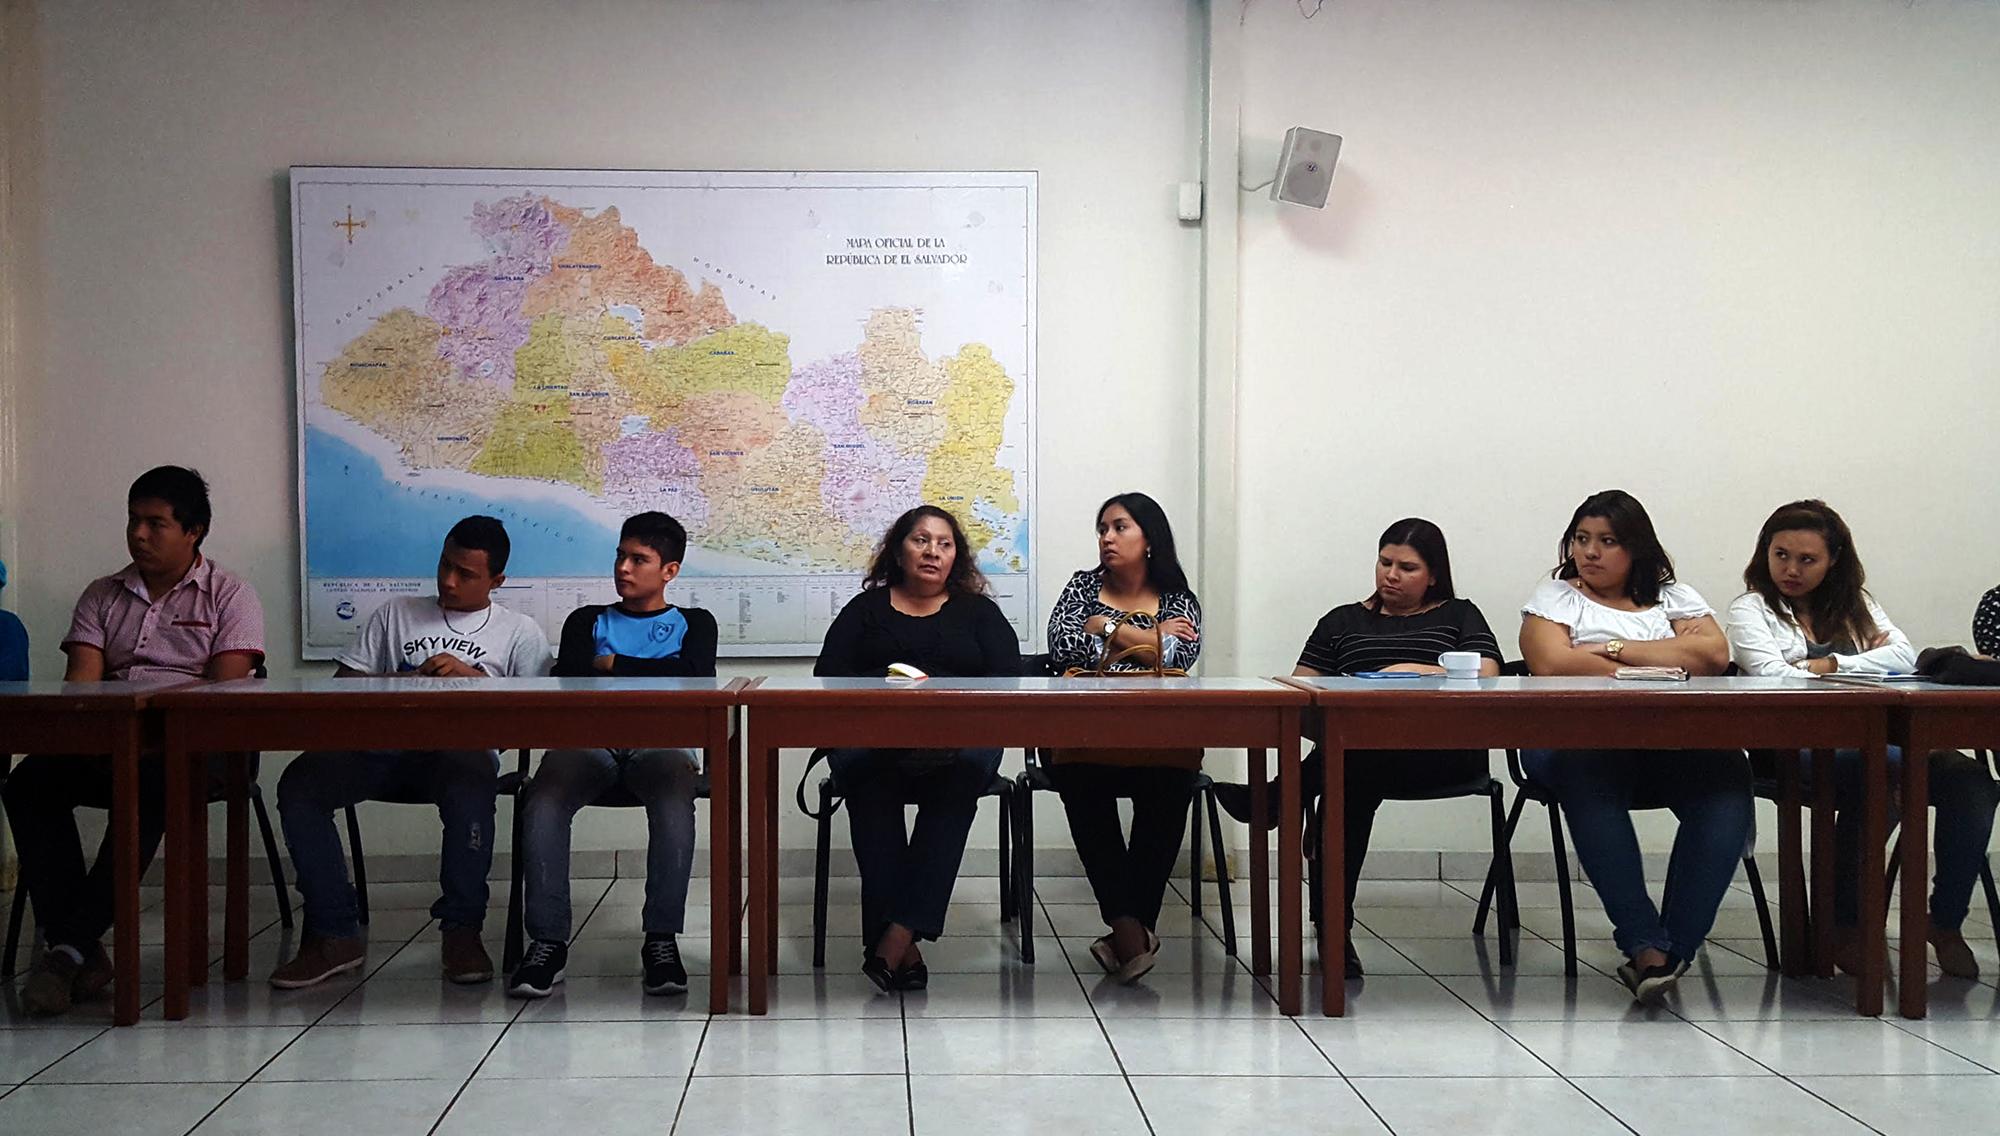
(541, 968)
(662, 959)
(1650, 986)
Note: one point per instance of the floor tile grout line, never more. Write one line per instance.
(483, 1059)
(909, 1086)
(1103, 1030)
(687, 1086)
(102, 1030)
(1786, 1077)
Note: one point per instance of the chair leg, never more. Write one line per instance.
(360, 865)
(271, 855)
(822, 854)
(514, 945)
(1562, 889)
(1006, 851)
(1992, 893)
(14, 920)
(1756, 879)
(1024, 863)
(1194, 856)
(1503, 866)
(1505, 840)
(1223, 890)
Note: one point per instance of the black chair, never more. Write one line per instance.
(1035, 778)
(217, 793)
(830, 795)
(1528, 789)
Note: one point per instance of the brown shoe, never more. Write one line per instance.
(319, 959)
(47, 991)
(465, 958)
(93, 978)
(1954, 956)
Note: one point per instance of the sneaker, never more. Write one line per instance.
(661, 957)
(319, 959)
(48, 989)
(1650, 986)
(465, 959)
(95, 976)
(541, 968)
(1954, 955)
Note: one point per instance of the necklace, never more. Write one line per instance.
(446, 613)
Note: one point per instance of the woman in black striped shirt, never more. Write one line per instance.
(1412, 617)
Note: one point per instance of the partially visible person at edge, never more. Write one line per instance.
(1806, 610)
(1612, 601)
(458, 633)
(1411, 618)
(1136, 597)
(170, 613)
(924, 603)
(640, 636)
(13, 641)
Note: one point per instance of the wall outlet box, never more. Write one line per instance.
(1190, 201)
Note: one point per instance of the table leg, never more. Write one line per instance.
(1874, 901)
(1913, 993)
(236, 881)
(125, 871)
(1260, 859)
(761, 849)
(179, 848)
(736, 864)
(1291, 934)
(771, 867)
(197, 877)
(1823, 867)
(1333, 878)
(1791, 867)
(721, 864)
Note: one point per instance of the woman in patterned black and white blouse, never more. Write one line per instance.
(1137, 588)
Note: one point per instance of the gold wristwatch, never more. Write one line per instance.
(1612, 649)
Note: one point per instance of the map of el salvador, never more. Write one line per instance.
(571, 356)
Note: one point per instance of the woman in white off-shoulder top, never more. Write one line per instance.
(1807, 611)
(1613, 601)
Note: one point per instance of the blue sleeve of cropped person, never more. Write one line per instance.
(13, 648)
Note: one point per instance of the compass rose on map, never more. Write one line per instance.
(350, 224)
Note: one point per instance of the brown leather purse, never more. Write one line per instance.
(1174, 757)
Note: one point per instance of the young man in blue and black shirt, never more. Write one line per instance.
(641, 635)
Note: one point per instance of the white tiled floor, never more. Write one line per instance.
(1439, 1038)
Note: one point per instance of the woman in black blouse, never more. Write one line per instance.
(1412, 617)
(1137, 589)
(924, 603)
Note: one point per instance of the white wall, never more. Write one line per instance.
(1720, 253)
(168, 128)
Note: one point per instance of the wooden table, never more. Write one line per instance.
(420, 713)
(1929, 716)
(1083, 712)
(1785, 714)
(92, 718)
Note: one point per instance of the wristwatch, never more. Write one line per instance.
(1612, 649)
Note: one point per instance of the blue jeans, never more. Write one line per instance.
(1709, 793)
(907, 874)
(461, 784)
(664, 781)
(1964, 797)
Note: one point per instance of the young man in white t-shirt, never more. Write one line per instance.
(459, 633)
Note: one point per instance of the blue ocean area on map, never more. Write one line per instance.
(363, 524)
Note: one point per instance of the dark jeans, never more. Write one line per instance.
(460, 782)
(907, 874)
(73, 904)
(1375, 776)
(1963, 796)
(1129, 878)
(1709, 793)
(664, 781)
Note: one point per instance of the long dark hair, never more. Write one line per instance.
(1163, 566)
(1652, 568)
(964, 579)
(1428, 540)
(1839, 606)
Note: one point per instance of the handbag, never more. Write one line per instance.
(1176, 757)
(1953, 665)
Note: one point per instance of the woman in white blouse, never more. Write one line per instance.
(1613, 601)
(1807, 611)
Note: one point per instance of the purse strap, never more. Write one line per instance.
(1159, 651)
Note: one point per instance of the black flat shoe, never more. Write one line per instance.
(915, 976)
(1354, 960)
(878, 972)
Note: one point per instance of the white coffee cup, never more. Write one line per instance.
(1460, 664)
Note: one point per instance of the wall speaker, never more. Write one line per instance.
(1305, 167)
